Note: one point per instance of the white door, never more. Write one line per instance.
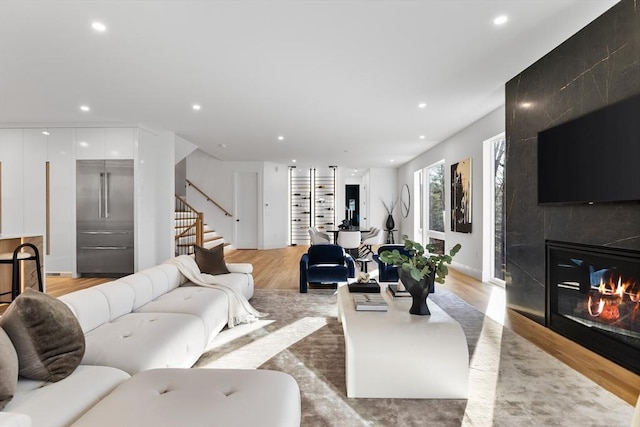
(246, 210)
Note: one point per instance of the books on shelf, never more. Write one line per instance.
(393, 290)
(367, 302)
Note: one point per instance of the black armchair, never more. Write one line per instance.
(325, 264)
(388, 272)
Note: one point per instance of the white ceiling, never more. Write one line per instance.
(340, 80)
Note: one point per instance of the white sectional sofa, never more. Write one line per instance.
(135, 327)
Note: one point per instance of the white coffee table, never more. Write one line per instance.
(394, 354)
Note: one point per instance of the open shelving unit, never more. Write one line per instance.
(312, 196)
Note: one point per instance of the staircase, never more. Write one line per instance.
(190, 230)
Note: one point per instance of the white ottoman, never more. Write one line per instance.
(200, 397)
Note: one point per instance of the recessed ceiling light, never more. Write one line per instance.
(196, 107)
(85, 108)
(84, 144)
(421, 136)
(355, 170)
(500, 20)
(293, 161)
(99, 26)
(281, 138)
(44, 132)
(526, 105)
(392, 160)
(422, 105)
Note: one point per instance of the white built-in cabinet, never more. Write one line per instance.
(24, 154)
(34, 177)
(12, 179)
(104, 143)
(62, 189)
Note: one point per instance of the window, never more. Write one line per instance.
(417, 206)
(494, 212)
(428, 209)
(436, 199)
(435, 234)
(499, 219)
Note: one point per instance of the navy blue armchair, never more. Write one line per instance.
(325, 264)
(388, 272)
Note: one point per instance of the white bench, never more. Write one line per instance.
(395, 354)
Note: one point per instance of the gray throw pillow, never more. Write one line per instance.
(47, 336)
(8, 369)
(211, 261)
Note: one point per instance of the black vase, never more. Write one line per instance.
(391, 224)
(419, 290)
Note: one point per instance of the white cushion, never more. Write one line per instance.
(120, 298)
(163, 278)
(200, 397)
(240, 267)
(142, 287)
(141, 341)
(209, 305)
(62, 402)
(90, 306)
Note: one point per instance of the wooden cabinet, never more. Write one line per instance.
(8, 243)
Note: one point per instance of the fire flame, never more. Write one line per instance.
(609, 296)
(612, 288)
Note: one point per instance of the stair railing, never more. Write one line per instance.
(189, 228)
(209, 199)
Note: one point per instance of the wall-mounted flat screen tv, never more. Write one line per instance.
(594, 158)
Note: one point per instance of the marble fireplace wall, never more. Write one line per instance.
(598, 66)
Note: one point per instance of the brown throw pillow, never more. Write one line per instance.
(8, 369)
(211, 261)
(47, 336)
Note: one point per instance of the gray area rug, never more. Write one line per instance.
(512, 382)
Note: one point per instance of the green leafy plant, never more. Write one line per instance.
(417, 264)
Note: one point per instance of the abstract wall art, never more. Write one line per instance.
(461, 196)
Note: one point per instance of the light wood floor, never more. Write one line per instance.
(278, 269)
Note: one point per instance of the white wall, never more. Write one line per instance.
(383, 186)
(183, 148)
(466, 143)
(154, 199)
(216, 178)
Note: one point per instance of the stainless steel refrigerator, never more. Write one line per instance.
(104, 217)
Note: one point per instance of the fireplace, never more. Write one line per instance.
(593, 298)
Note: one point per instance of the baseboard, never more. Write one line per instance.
(59, 274)
(469, 271)
(279, 245)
